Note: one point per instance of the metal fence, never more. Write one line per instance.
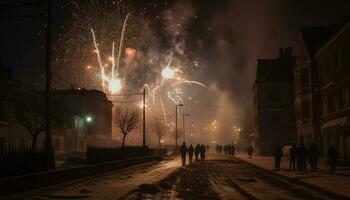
(19, 159)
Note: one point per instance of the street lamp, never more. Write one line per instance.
(176, 123)
(183, 125)
(88, 119)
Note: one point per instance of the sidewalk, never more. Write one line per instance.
(335, 183)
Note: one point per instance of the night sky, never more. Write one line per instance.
(225, 37)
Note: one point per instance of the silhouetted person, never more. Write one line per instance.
(197, 151)
(313, 154)
(220, 149)
(233, 149)
(190, 153)
(217, 149)
(250, 151)
(207, 148)
(278, 153)
(332, 157)
(229, 149)
(202, 152)
(183, 151)
(301, 158)
(293, 151)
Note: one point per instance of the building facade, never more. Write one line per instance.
(79, 117)
(274, 103)
(334, 65)
(306, 92)
(82, 118)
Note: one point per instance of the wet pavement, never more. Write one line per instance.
(220, 177)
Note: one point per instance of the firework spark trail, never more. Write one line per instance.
(113, 60)
(163, 108)
(183, 81)
(147, 87)
(154, 93)
(121, 43)
(97, 51)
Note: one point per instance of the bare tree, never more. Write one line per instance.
(32, 118)
(159, 129)
(126, 121)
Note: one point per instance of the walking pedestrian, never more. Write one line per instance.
(332, 158)
(190, 153)
(313, 154)
(301, 159)
(250, 151)
(293, 151)
(197, 151)
(183, 151)
(233, 150)
(202, 152)
(278, 153)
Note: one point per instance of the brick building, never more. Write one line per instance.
(306, 92)
(334, 67)
(274, 103)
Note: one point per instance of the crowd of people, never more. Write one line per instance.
(199, 152)
(228, 149)
(300, 156)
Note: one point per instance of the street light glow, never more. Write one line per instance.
(88, 119)
(168, 73)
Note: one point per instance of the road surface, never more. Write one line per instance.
(221, 177)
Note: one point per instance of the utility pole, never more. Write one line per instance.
(176, 126)
(183, 126)
(176, 123)
(48, 143)
(144, 118)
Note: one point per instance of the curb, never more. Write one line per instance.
(328, 193)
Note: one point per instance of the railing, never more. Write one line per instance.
(19, 159)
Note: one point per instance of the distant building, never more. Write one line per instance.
(274, 103)
(307, 99)
(82, 117)
(79, 117)
(334, 66)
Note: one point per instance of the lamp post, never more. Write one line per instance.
(183, 125)
(144, 118)
(176, 123)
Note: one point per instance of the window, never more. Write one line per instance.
(327, 65)
(274, 96)
(304, 76)
(305, 109)
(345, 93)
(336, 59)
(340, 100)
(345, 52)
(331, 104)
(2, 112)
(2, 141)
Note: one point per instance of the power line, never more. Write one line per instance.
(20, 5)
(23, 16)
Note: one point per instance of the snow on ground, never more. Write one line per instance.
(337, 182)
(108, 186)
(223, 178)
(220, 177)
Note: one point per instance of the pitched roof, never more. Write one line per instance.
(315, 37)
